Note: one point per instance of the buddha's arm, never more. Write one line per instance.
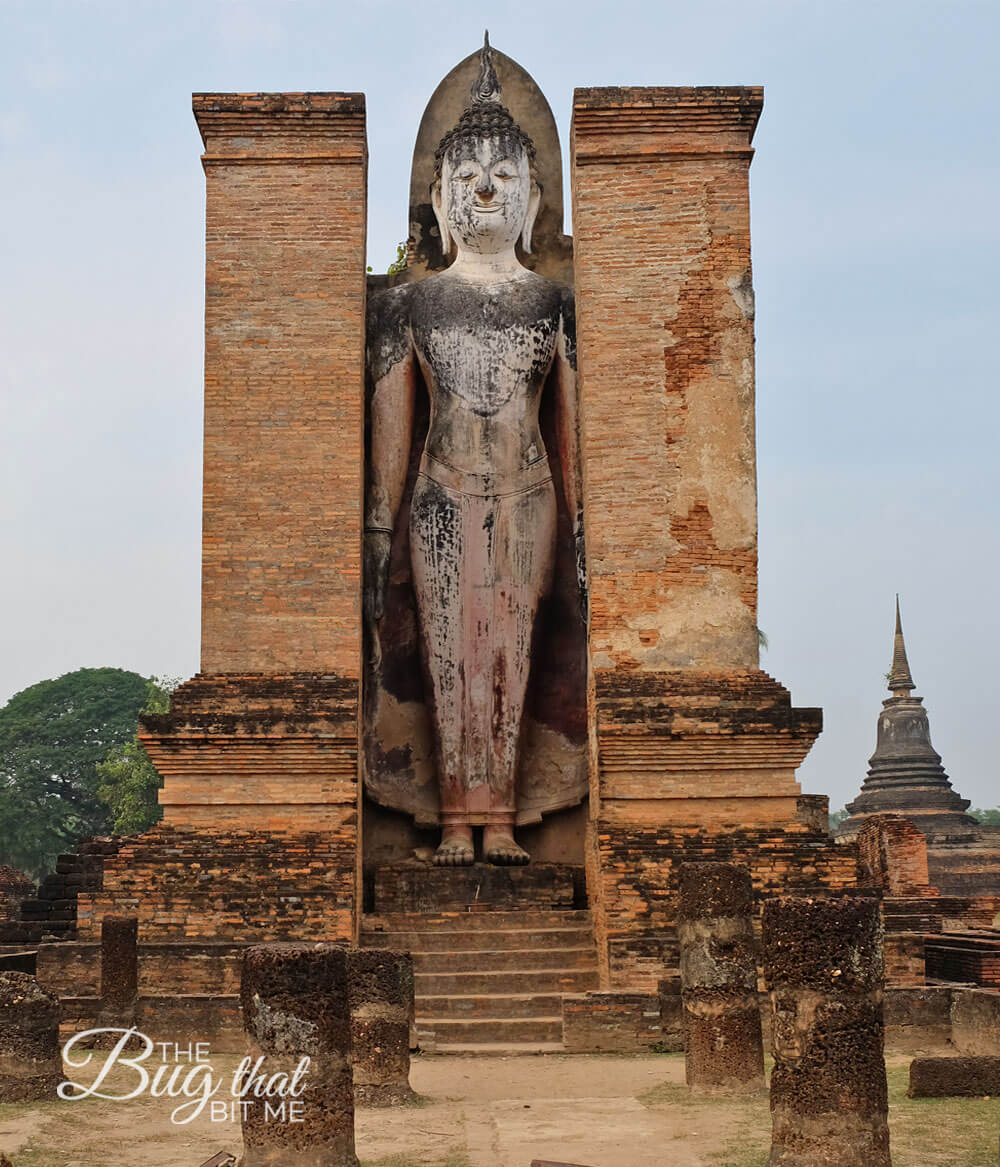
(392, 372)
(567, 418)
(391, 436)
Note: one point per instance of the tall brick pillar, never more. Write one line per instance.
(265, 736)
(688, 735)
(259, 750)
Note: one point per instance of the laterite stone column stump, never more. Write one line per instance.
(723, 1047)
(30, 1057)
(824, 968)
(295, 1004)
(119, 967)
(381, 998)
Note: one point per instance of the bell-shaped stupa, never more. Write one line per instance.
(905, 775)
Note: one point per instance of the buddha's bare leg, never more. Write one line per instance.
(436, 551)
(524, 541)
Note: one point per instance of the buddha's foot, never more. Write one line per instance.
(456, 849)
(500, 848)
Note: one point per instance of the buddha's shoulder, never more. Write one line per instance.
(389, 308)
(551, 291)
(446, 285)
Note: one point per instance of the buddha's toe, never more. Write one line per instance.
(454, 853)
(504, 852)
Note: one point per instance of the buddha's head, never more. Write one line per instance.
(485, 194)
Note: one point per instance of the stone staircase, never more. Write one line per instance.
(490, 977)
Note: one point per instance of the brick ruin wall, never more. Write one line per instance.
(661, 221)
(238, 886)
(286, 178)
(637, 894)
(51, 912)
(893, 856)
(15, 886)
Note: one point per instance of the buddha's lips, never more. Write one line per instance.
(487, 210)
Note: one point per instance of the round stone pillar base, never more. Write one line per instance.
(824, 967)
(723, 1048)
(295, 1005)
(381, 996)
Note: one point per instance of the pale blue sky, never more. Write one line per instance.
(874, 197)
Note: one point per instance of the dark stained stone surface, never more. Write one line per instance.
(295, 1004)
(823, 965)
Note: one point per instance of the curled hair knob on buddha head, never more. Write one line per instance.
(484, 118)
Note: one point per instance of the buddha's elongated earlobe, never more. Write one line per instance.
(534, 201)
(440, 213)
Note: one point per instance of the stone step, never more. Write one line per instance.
(487, 920)
(422, 887)
(514, 981)
(478, 940)
(514, 960)
(497, 1049)
(509, 1030)
(471, 1008)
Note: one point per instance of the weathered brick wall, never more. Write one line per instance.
(893, 856)
(904, 959)
(717, 749)
(917, 1018)
(661, 224)
(284, 336)
(975, 1021)
(968, 958)
(967, 868)
(51, 912)
(70, 969)
(695, 749)
(15, 886)
(615, 1022)
(244, 886)
(275, 752)
(638, 884)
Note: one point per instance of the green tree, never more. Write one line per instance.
(128, 779)
(52, 737)
(837, 817)
(987, 818)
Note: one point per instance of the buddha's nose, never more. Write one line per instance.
(484, 189)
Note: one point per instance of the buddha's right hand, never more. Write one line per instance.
(378, 545)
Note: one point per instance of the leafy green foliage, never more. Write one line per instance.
(52, 737)
(837, 817)
(128, 779)
(987, 818)
(399, 263)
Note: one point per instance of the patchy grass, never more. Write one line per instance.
(38, 1157)
(454, 1158)
(924, 1132)
(940, 1132)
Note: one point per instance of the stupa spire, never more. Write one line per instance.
(905, 775)
(900, 679)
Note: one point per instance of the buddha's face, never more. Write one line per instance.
(486, 194)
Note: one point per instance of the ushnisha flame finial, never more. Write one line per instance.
(486, 86)
(485, 116)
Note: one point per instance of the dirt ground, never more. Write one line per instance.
(503, 1112)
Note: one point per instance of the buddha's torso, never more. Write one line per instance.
(485, 351)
